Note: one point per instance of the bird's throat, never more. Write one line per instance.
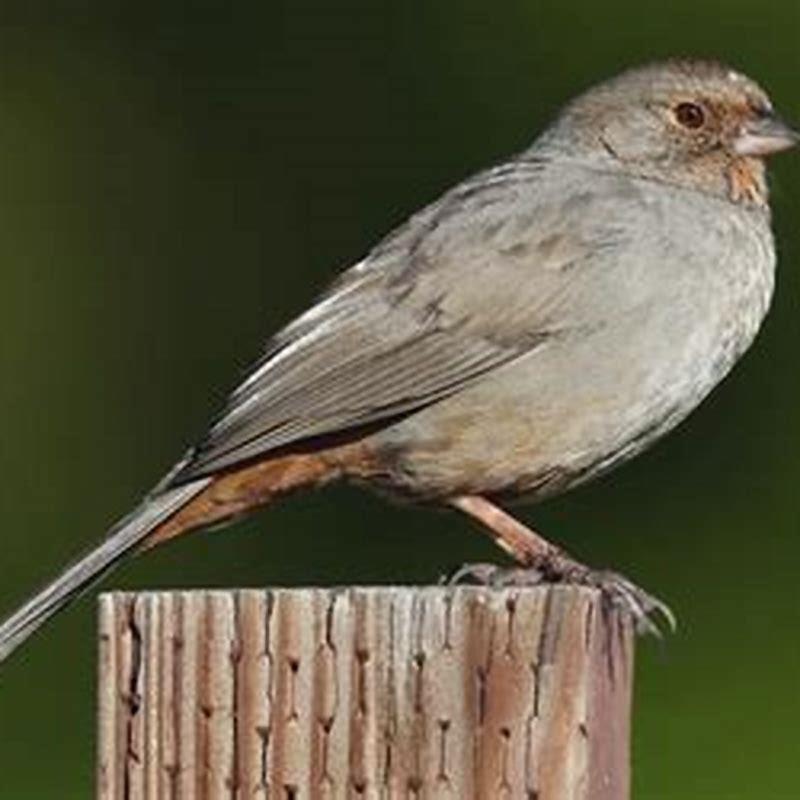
(747, 183)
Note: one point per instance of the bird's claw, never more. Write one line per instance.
(617, 591)
(646, 610)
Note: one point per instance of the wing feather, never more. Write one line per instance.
(467, 285)
(356, 374)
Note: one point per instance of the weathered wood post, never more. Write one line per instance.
(386, 692)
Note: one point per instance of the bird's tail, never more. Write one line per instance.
(122, 538)
(171, 511)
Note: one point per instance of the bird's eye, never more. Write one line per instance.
(690, 115)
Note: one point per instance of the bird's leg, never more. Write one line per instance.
(522, 543)
(540, 561)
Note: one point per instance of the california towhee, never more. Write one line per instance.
(537, 325)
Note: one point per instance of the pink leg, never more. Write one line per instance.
(541, 560)
(520, 542)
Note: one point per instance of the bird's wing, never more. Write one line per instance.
(467, 285)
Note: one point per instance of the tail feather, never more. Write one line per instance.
(123, 537)
(171, 511)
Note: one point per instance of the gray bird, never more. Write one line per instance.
(539, 324)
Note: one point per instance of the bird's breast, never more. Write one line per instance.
(657, 325)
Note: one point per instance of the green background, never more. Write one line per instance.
(177, 186)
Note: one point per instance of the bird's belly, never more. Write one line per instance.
(579, 405)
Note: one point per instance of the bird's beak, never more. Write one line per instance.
(765, 136)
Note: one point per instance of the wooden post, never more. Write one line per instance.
(386, 692)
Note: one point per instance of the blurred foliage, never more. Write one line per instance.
(178, 183)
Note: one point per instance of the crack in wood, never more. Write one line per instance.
(444, 728)
(588, 626)
(327, 691)
(390, 727)
(175, 645)
(264, 732)
(132, 696)
(293, 665)
(233, 780)
(447, 644)
(505, 747)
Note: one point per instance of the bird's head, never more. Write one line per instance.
(698, 124)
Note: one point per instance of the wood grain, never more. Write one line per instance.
(391, 692)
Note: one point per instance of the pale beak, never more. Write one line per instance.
(765, 136)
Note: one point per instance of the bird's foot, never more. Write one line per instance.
(617, 591)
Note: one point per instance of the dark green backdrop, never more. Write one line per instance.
(177, 186)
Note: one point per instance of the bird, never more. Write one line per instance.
(539, 324)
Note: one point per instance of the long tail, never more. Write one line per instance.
(122, 538)
(169, 513)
